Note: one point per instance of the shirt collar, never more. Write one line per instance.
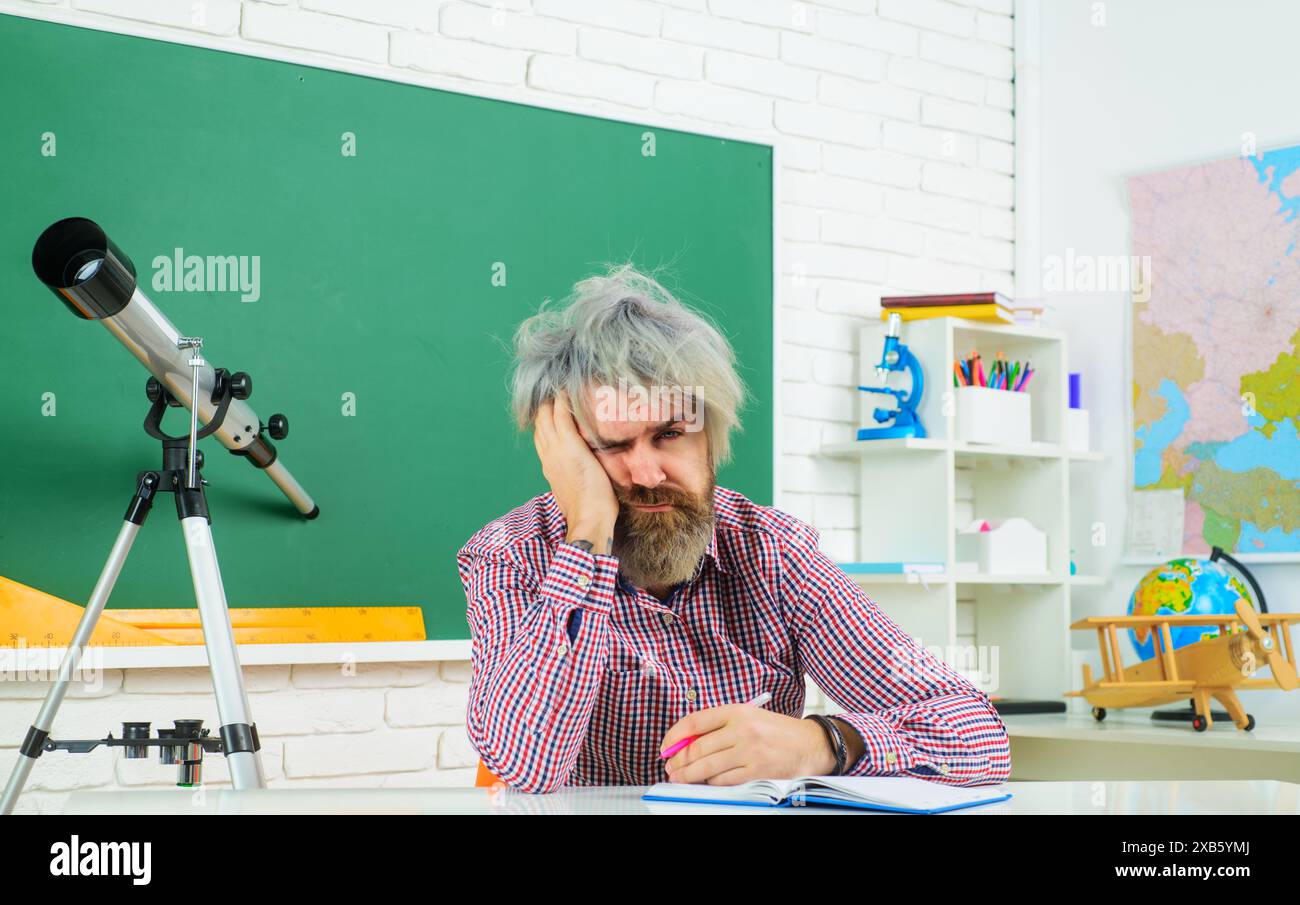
(712, 549)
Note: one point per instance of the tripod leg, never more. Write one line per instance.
(40, 730)
(238, 735)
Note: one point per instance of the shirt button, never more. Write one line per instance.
(943, 768)
(690, 694)
(583, 581)
(561, 650)
(668, 618)
(891, 758)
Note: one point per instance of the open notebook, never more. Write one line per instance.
(876, 793)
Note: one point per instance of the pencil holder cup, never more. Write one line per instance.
(993, 416)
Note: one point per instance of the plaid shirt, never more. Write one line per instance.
(577, 675)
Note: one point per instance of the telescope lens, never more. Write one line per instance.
(88, 270)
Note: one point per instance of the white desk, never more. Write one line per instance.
(1178, 797)
(1129, 745)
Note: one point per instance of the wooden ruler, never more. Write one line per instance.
(31, 618)
(287, 625)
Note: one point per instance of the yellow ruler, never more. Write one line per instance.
(32, 618)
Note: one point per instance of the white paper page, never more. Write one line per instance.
(1156, 523)
(758, 790)
(899, 791)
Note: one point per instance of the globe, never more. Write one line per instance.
(1184, 587)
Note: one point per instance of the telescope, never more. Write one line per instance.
(96, 280)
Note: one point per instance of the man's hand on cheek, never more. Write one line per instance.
(738, 743)
(578, 482)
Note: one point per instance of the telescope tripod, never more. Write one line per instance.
(180, 475)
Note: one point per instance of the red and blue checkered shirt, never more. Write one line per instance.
(577, 675)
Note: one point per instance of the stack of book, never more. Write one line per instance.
(979, 306)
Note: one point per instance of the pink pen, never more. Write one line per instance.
(757, 702)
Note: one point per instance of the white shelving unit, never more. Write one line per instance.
(916, 493)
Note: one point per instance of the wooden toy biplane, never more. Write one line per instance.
(1211, 668)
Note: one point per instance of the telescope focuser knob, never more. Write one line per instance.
(241, 385)
(278, 427)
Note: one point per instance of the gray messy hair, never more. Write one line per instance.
(623, 325)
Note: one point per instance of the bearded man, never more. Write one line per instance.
(638, 606)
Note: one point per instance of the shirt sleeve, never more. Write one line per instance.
(536, 668)
(916, 715)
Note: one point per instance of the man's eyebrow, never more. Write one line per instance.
(602, 443)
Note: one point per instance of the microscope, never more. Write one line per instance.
(902, 421)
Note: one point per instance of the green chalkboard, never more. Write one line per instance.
(376, 280)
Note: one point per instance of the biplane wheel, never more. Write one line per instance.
(1099, 713)
(1250, 722)
(1198, 723)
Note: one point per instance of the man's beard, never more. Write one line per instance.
(661, 549)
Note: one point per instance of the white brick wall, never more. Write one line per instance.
(375, 724)
(894, 124)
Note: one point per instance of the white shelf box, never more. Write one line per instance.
(1048, 387)
(1015, 547)
(998, 417)
(1078, 435)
